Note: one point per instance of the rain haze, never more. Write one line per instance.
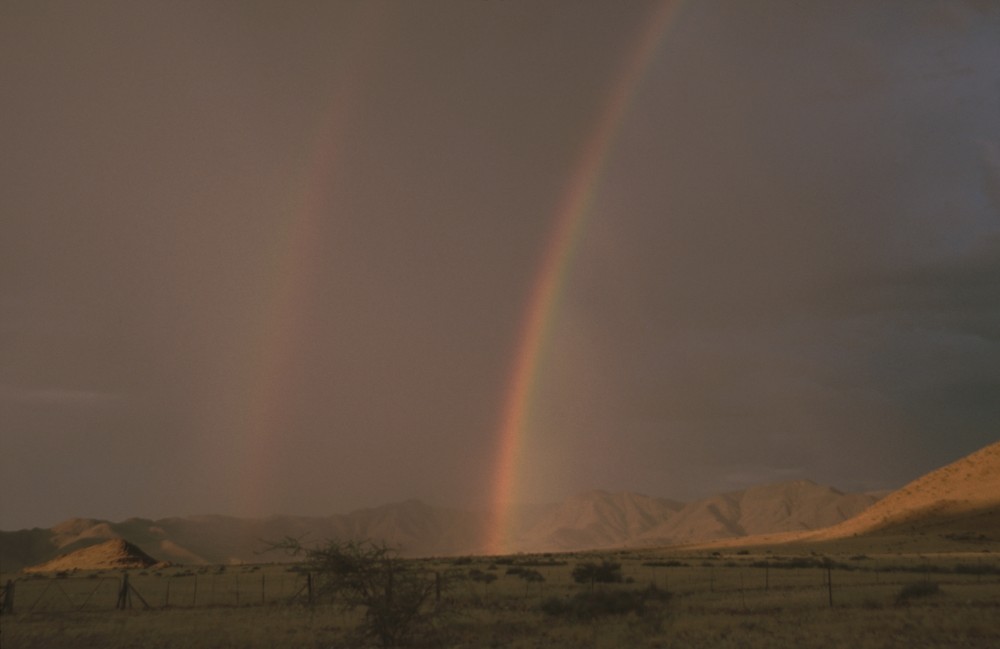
(263, 258)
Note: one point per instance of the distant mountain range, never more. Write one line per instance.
(958, 504)
(593, 520)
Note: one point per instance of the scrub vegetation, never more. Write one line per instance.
(365, 595)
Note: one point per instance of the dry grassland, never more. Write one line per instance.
(722, 599)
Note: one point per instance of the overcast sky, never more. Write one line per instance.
(274, 257)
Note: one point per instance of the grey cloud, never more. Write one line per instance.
(789, 261)
(991, 171)
(58, 396)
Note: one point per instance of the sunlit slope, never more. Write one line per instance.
(111, 554)
(962, 498)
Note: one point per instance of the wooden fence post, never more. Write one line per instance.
(8, 598)
(743, 598)
(131, 590)
(829, 582)
(123, 599)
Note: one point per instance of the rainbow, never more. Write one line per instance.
(277, 326)
(543, 301)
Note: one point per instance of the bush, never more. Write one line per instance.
(547, 560)
(796, 563)
(976, 569)
(590, 605)
(527, 574)
(371, 576)
(606, 572)
(917, 589)
(478, 575)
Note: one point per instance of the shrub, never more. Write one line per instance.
(671, 563)
(606, 572)
(976, 569)
(795, 563)
(392, 591)
(590, 605)
(532, 576)
(917, 589)
(527, 574)
(478, 575)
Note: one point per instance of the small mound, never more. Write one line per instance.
(111, 554)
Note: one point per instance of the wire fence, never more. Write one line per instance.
(130, 590)
(736, 584)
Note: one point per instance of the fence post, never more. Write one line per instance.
(309, 587)
(262, 599)
(829, 582)
(166, 598)
(194, 596)
(8, 598)
(131, 589)
(123, 592)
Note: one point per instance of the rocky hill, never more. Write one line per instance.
(109, 555)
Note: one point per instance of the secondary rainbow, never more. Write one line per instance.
(543, 301)
(277, 335)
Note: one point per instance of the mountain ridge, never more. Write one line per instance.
(588, 521)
